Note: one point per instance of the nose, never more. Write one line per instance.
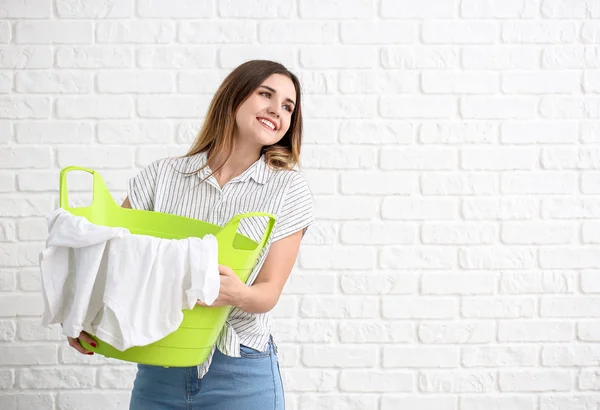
(275, 109)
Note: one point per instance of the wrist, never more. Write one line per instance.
(242, 297)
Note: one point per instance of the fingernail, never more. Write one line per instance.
(93, 344)
(90, 353)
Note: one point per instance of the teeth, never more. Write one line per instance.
(270, 124)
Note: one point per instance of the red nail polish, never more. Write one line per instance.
(90, 353)
(94, 344)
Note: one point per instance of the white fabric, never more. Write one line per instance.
(128, 290)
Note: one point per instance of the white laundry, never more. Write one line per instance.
(128, 290)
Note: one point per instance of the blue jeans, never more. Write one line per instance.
(250, 382)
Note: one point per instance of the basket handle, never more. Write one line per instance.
(99, 191)
(230, 230)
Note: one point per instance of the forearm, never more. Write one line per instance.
(258, 298)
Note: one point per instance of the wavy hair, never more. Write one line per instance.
(216, 134)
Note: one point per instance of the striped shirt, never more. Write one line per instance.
(163, 187)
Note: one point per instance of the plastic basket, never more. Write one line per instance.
(192, 342)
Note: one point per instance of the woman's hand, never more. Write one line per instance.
(231, 291)
(74, 343)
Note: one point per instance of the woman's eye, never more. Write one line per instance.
(289, 108)
(265, 93)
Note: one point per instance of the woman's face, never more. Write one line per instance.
(266, 114)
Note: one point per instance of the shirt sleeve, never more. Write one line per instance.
(297, 212)
(142, 187)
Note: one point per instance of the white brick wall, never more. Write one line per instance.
(452, 147)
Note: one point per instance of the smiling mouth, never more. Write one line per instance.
(265, 125)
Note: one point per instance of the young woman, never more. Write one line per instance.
(241, 161)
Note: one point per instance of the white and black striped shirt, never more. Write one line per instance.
(163, 187)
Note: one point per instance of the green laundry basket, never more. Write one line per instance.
(192, 342)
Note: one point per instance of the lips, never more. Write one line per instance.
(265, 125)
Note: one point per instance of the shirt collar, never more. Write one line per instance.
(258, 171)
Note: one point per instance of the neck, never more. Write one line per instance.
(241, 158)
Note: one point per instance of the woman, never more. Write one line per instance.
(241, 161)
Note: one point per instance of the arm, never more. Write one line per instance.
(264, 294)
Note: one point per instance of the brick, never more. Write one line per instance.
(376, 381)
(7, 381)
(425, 107)
(378, 32)
(28, 355)
(338, 307)
(417, 10)
(306, 330)
(290, 32)
(589, 380)
(538, 233)
(20, 254)
(581, 257)
(91, 9)
(28, 9)
(575, 355)
(338, 356)
(30, 330)
(120, 378)
(465, 332)
(578, 9)
(309, 380)
(412, 58)
(420, 357)
(538, 132)
(379, 283)
(94, 57)
(498, 307)
(459, 32)
(409, 307)
(345, 208)
(135, 32)
(564, 307)
(7, 281)
(8, 330)
(80, 400)
(589, 331)
(547, 182)
(322, 233)
(418, 158)
(56, 378)
(570, 208)
(96, 107)
(61, 83)
(135, 82)
(172, 106)
(571, 158)
(408, 402)
(558, 281)
(458, 233)
(500, 356)
(436, 132)
(535, 381)
(416, 258)
(110, 157)
(342, 157)
(373, 233)
(458, 283)
(336, 9)
(418, 209)
(230, 56)
(498, 403)
(500, 57)
(327, 402)
(493, 9)
(24, 107)
(456, 381)
(299, 283)
(459, 83)
(376, 332)
(54, 133)
(38, 401)
(568, 57)
(54, 32)
(14, 304)
(338, 56)
(388, 82)
(175, 9)
(525, 32)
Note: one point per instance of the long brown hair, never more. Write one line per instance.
(216, 135)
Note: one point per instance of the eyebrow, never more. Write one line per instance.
(275, 92)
